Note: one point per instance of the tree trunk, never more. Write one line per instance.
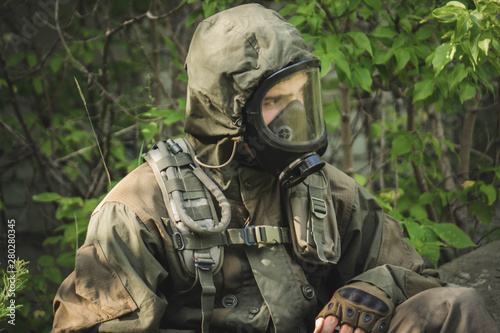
(345, 110)
(417, 169)
(466, 144)
(444, 162)
(461, 213)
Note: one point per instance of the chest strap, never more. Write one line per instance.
(251, 235)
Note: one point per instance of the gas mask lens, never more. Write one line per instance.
(285, 126)
(291, 108)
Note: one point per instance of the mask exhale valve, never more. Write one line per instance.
(300, 169)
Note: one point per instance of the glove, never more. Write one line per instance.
(360, 305)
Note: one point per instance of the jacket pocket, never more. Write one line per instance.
(313, 222)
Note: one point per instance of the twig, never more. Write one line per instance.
(93, 131)
(86, 149)
(139, 18)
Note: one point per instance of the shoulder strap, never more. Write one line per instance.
(174, 170)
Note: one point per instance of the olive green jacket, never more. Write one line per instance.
(129, 278)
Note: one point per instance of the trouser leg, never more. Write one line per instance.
(443, 310)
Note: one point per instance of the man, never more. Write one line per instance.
(291, 244)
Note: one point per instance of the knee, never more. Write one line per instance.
(463, 294)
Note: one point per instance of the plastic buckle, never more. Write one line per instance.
(179, 241)
(318, 207)
(245, 230)
(271, 235)
(205, 264)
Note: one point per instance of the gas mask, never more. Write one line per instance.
(286, 130)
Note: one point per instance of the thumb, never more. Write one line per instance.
(318, 325)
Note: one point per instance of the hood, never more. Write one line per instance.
(229, 55)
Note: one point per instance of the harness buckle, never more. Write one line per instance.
(245, 231)
(205, 264)
(268, 235)
(178, 241)
(318, 207)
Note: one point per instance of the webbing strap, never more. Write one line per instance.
(178, 160)
(183, 185)
(194, 242)
(252, 235)
(204, 266)
(319, 211)
(262, 234)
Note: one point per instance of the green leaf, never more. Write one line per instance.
(47, 197)
(467, 91)
(462, 27)
(361, 41)
(425, 32)
(418, 212)
(209, 8)
(484, 45)
(381, 57)
(401, 144)
(457, 76)
(431, 250)
(341, 63)
(490, 192)
(484, 213)
(360, 179)
(415, 230)
(193, 16)
(402, 57)
(423, 89)
(332, 112)
(173, 116)
(384, 32)
(375, 4)
(66, 259)
(426, 198)
(353, 4)
(52, 240)
(364, 78)
(45, 260)
(31, 60)
(55, 65)
(53, 274)
(288, 9)
(297, 20)
(456, 4)
(37, 84)
(453, 235)
(449, 13)
(443, 55)
(326, 62)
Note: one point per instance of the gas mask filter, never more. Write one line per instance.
(286, 130)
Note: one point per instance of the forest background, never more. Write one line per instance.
(410, 94)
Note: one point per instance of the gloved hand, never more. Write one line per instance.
(360, 305)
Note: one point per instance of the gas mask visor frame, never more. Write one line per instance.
(285, 115)
(287, 107)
